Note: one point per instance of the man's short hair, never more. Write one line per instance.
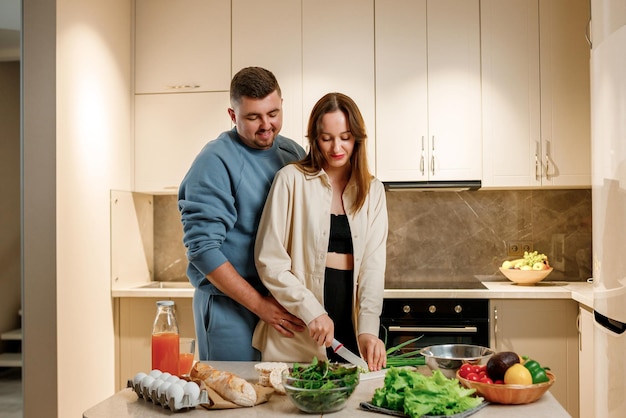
(253, 82)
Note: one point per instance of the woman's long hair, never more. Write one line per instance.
(313, 162)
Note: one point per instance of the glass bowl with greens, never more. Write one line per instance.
(320, 386)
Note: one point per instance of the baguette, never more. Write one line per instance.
(230, 387)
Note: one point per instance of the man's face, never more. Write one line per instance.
(258, 121)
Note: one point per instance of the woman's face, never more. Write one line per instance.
(335, 141)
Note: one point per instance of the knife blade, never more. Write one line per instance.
(348, 355)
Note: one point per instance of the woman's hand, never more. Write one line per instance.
(373, 349)
(322, 330)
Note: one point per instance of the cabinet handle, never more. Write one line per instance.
(580, 336)
(422, 157)
(432, 157)
(549, 167)
(537, 163)
(588, 33)
(495, 327)
(185, 86)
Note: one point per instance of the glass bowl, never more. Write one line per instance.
(320, 395)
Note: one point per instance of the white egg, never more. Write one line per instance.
(153, 388)
(172, 379)
(165, 375)
(181, 382)
(155, 373)
(146, 382)
(162, 391)
(138, 377)
(175, 395)
(193, 390)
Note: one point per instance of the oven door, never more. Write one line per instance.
(435, 322)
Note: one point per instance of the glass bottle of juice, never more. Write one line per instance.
(165, 339)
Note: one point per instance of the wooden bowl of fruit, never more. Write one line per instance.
(509, 394)
(507, 379)
(526, 271)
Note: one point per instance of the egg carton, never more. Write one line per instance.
(168, 391)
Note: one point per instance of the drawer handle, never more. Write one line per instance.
(185, 86)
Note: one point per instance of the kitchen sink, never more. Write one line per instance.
(166, 285)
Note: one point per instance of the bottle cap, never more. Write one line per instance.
(165, 303)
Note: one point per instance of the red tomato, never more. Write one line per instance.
(464, 370)
(476, 368)
(485, 379)
(473, 377)
(498, 382)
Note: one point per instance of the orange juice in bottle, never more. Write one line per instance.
(165, 339)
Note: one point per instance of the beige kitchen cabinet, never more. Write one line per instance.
(182, 45)
(133, 332)
(428, 113)
(170, 130)
(338, 55)
(586, 362)
(283, 57)
(545, 330)
(535, 92)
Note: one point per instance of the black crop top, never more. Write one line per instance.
(340, 238)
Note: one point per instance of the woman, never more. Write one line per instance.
(321, 244)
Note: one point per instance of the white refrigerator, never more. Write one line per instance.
(608, 138)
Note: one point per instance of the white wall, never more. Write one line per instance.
(73, 156)
(93, 157)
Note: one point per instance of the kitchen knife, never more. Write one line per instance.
(348, 355)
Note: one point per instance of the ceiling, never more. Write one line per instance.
(10, 24)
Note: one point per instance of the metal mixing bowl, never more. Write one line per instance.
(448, 358)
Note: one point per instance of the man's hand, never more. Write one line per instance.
(278, 317)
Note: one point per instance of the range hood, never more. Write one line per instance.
(432, 186)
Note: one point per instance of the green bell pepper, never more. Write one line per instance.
(537, 372)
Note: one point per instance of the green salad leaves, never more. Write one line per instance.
(417, 395)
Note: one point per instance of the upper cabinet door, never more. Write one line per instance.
(338, 56)
(170, 130)
(428, 123)
(182, 45)
(279, 51)
(536, 101)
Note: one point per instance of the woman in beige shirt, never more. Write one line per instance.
(321, 243)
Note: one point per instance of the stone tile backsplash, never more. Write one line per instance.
(445, 232)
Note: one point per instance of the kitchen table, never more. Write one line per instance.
(126, 403)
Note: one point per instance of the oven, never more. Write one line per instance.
(437, 321)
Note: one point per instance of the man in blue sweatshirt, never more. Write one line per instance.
(220, 200)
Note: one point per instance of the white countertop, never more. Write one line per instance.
(581, 292)
(126, 403)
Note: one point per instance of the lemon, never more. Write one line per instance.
(517, 374)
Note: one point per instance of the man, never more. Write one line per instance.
(220, 200)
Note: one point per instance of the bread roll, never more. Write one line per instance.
(229, 386)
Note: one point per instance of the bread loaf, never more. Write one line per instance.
(228, 385)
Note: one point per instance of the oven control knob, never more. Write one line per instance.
(458, 309)
(406, 308)
(432, 309)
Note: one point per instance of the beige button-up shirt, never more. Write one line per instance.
(290, 254)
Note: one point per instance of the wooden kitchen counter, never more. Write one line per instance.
(126, 404)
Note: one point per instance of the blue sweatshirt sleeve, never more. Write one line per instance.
(208, 212)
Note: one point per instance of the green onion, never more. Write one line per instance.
(411, 358)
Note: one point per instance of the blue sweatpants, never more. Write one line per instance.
(224, 328)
